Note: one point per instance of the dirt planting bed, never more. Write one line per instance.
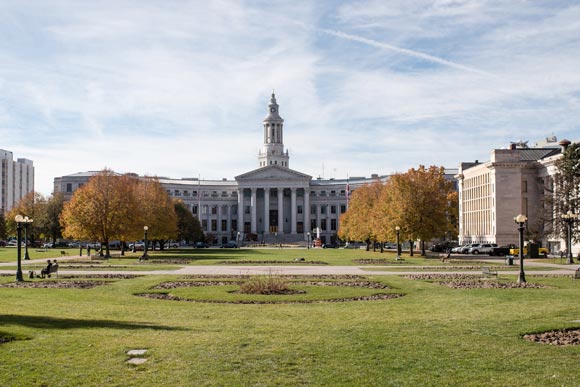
(55, 284)
(561, 337)
(471, 281)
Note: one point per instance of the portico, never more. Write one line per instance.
(272, 200)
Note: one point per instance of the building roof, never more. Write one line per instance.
(532, 154)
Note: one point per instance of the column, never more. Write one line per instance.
(241, 210)
(328, 214)
(280, 211)
(208, 217)
(219, 220)
(254, 229)
(293, 210)
(318, 216)
(229, 220)
(266, 211)
(306, 210)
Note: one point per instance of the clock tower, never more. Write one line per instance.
(272, 152)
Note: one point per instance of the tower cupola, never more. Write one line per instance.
(272, 152)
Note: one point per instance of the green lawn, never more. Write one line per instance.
(432, 336)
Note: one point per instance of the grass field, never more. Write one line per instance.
(431, 336)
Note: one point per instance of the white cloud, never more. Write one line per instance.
(180, 88)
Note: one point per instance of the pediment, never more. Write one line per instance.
(273, 172)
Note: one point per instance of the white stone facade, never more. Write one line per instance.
(514, 181)
(273, 204)
(16, 180)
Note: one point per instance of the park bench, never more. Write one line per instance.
(487, 272)
(62, 252)
(53, 270)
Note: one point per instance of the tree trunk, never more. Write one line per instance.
(423, 248)
(411, 248)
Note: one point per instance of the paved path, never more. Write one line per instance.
(551, 269)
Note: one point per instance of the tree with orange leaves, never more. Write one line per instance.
(102, 210)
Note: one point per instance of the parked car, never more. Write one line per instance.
(330, 246)
(2, 243)
(515, 250)
(443, 246)
(465, 249)
(482, 248)
(500, 251)
(171, 244)
(139, 246)
(201, 245)
(48, 245)
(229, 245)
(12, 242)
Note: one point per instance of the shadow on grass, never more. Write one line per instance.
(44, 322)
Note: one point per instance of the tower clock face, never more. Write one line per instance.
(273, 110)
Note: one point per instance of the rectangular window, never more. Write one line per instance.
(247, 211)
(213, 225)
(342, 208)
(224, 225)
(194, 210)
(323, 209)
(214, 210)
(312, 224)
(204, 224)
(299, 209)
(313, 210)
(333, 209)
(333, 224)
(323, 226)
(234, 224)
(68, 187)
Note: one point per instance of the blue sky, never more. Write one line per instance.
(180, 88)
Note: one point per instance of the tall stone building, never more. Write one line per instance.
(517, 180)
(16, 180)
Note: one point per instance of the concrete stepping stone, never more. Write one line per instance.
(134, 359)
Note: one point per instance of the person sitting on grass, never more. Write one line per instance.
(46, 270)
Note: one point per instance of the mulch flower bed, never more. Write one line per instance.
(471, 281)
(561, 337)
(170, 297)
(295, 262)
(317, 280)
(380, 261)
(55, 284)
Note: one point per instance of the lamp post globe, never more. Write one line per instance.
(521, 221)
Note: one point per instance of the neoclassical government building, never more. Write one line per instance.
(273, 203)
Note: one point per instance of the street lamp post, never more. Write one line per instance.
(26, 220)
(238, 235)
(398, 230)
(19, 220)
(308, 240)
(521, 221)
(144, 256)
(569, 217)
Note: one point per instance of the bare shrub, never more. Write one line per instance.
(265, 284)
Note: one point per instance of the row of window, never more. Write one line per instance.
(225, 194)
(248, 209)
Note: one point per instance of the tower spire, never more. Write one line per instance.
(272, 152)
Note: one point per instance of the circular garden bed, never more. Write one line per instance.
(300, 290)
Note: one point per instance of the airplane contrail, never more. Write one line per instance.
(405, 51)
